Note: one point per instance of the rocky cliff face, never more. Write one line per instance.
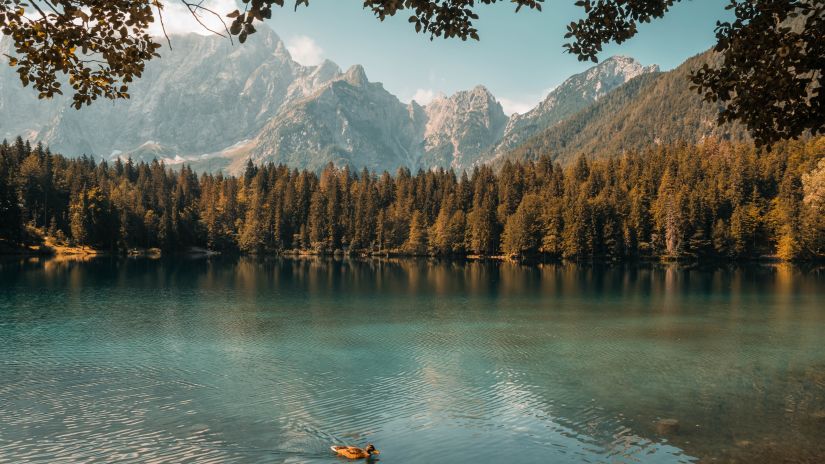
(348, 121)
(462, 127)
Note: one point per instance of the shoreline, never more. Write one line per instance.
(84, 252)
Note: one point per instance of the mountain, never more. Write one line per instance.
(203, 95)
(655, 107)
(347, 121)
(215, 106)
(461, 128)
(352, 121)
(572, 96)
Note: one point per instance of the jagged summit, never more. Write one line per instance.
(356, 76)
(462, 127)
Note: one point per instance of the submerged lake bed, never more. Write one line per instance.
(274, 360)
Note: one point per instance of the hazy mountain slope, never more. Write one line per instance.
(652, 108)
(201, 96)
(21, 113)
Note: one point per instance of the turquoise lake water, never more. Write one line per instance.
(244, 360)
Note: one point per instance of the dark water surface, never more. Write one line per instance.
(243, 360)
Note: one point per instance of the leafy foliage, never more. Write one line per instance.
(100, 45)
(610, 21)
(716, 200)
(439, 18)
(770, 78)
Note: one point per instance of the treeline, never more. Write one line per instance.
(715, 200)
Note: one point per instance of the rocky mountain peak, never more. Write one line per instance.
(356, 76)
(625, 65)
(480, 90)
(609, 74)
(281, 50)
(461, 127)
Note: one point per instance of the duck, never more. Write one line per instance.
(353, 452)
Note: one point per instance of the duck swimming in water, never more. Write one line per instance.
(353, 452)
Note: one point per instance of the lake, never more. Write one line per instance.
(273, 360)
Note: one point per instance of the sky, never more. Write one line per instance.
(519, 57)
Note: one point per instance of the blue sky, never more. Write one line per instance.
(519, 58)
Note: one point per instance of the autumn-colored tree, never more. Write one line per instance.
(416, 243)
(813, 212)
(80, 223)
(482, 221)
(523, 231)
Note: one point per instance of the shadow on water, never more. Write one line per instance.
(252, 359)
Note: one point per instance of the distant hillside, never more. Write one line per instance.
(653, 108)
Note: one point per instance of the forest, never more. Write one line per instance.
(714, 200)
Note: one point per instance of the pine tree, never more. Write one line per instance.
(79, 219)
(317, 222)
(12, 220)
(253, 230)
(416, 243)
(441, 242)
(483, 224)
(522, 232)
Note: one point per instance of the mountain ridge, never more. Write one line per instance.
(573, 95)
(656, 108)
(215, 106)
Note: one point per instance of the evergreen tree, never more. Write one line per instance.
(80, 220)
(417, 240)
(715, 200)
(522, 232)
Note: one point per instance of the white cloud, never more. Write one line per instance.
(424, 96)
(514, 106)
(305, 50)
(523, 104)
(179, 20)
